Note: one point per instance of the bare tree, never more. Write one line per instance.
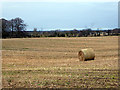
(35, 33)
(5, 28)
(18, 26)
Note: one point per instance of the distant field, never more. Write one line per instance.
(53, 63)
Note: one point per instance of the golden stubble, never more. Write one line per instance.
(57, 54)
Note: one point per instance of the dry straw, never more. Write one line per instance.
(86, 54)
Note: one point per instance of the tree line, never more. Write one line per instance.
(16, 28)
(74, 33)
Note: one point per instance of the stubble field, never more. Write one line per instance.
(53, 63)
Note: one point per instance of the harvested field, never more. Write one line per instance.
(53, 63)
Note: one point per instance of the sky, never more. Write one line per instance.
(68, 14)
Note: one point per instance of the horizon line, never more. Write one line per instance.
(62, 29)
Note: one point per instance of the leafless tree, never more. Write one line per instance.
(18, 26)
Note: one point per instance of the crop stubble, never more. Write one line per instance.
(53, 62)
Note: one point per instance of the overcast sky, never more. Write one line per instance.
(58, 15)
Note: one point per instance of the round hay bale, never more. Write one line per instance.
(86, 54)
